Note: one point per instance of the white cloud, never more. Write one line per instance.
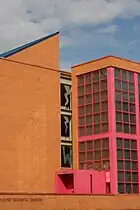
(24, 20)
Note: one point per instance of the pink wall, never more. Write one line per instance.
(112, 130)
(99, 182)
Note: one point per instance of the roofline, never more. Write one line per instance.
(105, 57)
(25, 46)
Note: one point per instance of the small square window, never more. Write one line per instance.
(118, 105)
(105, 143)
(88, 77)
(88, 109)
(130, 76)
(89, 130)
(104, 127)
(124, 86)
(89, 145)
(118, 84)
(104, 116)
(135, 188)
(134, 165)
(131, 87)
(128, 176)
(118, 95)
(81, 80)
(127, 154)
(118, 127)
(96, 97)
(132, 108)
(81, 100)
(104, 105)
(95, 75)
(124, 75)
(120, 176)
(89, 119)
(105, 153)
(127, 165)
(132, 129)
(82, 146)
(96, 118)
(97, 128)
(88, 88)
(89, 155)
(82, 156)
(96, 107)
(88, 98)
(103, 74)
(119, 143)
(131, 97)
(120, 165)
(125, 96)
(97, 144)
(81, 91)
(128, 188)
(125, 117)
(133, 155)
(81, 121)
(121, 188)
(120, 154)
(81, 131)
(125, 106)
(104, 95)
(134, 177)
(103, 84)
(97, 155)
(133, 144)
(117, 73)
(96, 86)
(132, 118)
(127, 143)
(81, 110)
(118, 116)
(126, 128)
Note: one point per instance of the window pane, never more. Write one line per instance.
(96, 75)
(128, 188)
(120, 176)
(121, 188)
(127, 165)
(134, 155)
(120, 154)
(89, 145)
(81, 110)
(89, 119)
(82, 131)
(88, 109)
(126, 143)
(130, 76)
(81, 91)
(104, 116)
(88, 88)
(118, 95)
(133, 144)
(96, 87)
(134, 177)
(104, 105)
(124, 86)
(97, 128)
(125, 117)
(96, 97)
(88, 77)
(96, 118)
(103, 74)
(128, 176)
(104, 127)
(118, 116)
(131, 87)
(88, 98)
(132, 108)
(96, 107)
(126, 128)
(117, 84)
(127, 154)
(118, 127)
(81, 79)
(89, 155)
(132, 129)
(103, 84)
(124, 75)
(104, 95)
(134, 165)
(132, 118)
(105, 154)
(88, 130)
(118, 106)
(120, 165)
(117, 73)
(135, 188)
(97, 144)
(97, 155)
(105, 143)
(82, 156)
(81, 100)
(125, 96)
(125, 106)
(82, 146)
(81, 121)
(119, 143)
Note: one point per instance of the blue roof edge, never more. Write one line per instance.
(25, 46)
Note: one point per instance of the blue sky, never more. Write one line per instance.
(89, 29)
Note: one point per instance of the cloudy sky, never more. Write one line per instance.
(89, 28)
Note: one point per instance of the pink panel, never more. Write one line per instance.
(112, 129)
(137, 123)
(99, 182)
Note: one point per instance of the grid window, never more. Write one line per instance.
(93, 101)
(127, 162)
(93, 153)
(125, 101)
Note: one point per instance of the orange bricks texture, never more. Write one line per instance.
(30, 119)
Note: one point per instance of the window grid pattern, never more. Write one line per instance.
(127, 166)
(92, 103)
(93, 152)
(125, 101)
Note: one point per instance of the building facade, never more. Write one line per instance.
(107, 120)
